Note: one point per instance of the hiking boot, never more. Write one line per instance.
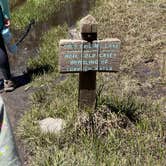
(9, 85)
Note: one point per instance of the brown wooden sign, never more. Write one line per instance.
(82, 56)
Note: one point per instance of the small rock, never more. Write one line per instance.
(51, 125)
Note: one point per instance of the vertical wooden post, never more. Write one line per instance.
(86, 56)
(87, 80)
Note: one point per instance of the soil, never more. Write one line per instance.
(17, 102)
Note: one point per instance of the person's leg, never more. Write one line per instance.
(5, 68)
(4, 62)
(4, 65)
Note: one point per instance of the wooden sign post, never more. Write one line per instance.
(86, 56)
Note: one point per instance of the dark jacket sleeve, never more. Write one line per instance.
(5, 8)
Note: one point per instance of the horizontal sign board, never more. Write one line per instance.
(81, 56)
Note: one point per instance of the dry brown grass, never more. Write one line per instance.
(139, 24)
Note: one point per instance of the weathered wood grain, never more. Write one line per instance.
(80, 56)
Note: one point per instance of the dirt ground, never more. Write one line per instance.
(17, 102)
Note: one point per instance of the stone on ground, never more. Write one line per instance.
(51, 125)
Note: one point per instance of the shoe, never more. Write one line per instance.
(9, 85)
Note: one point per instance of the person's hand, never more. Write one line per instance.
(6, 22)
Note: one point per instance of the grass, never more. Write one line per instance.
(35, 9)
(106, 136)
(49, 49)
(127, 127)
(136, 25)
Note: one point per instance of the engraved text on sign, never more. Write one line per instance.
(81, 56)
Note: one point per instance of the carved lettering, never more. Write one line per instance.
(80, 55)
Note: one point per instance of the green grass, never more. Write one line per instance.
(35, 9)
(48, 50)
(106, 136)
(126, 128)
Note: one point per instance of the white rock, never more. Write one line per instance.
(51, 125)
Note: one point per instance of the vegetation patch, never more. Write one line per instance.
(40, 10)
(48, 50)
(107, 135)
(140, 27)
(126, 128)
